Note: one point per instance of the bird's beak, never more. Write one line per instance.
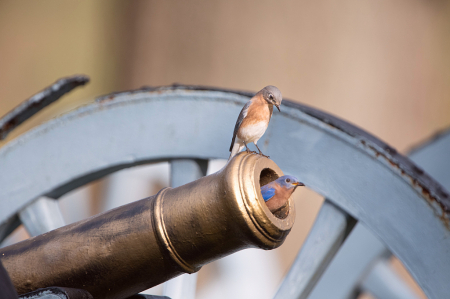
(298, 184)
(278, 107)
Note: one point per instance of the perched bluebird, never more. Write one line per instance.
(277, 193)
(254, 119)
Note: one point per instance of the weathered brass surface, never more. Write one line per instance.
(134, 247)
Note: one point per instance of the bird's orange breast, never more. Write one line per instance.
(259, 111)
(280, 198)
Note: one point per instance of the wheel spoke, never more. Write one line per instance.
(326, 236)
(341, 278)
(8, 227)
(41, 216)
(183, 286)
(183, 171)
(382, 282)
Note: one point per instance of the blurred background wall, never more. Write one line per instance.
(382, 65)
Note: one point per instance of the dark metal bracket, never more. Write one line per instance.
(38, 102)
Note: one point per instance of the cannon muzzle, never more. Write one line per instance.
(136, 246)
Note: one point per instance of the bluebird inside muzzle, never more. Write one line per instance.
(268, 175)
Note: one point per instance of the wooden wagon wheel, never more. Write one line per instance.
(363, 179)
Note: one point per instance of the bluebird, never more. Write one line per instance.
(277, 193)
(254, 119)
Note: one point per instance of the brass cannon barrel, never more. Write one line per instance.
(136, 246)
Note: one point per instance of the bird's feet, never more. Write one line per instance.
(250, 152)
(261, 154)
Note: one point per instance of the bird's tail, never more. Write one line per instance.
(237, 147)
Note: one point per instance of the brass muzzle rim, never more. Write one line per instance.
(254, 171)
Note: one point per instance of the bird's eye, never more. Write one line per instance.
(288, 180)
(270, 97)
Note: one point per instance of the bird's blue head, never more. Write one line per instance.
(272, 95)
(289, 182)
